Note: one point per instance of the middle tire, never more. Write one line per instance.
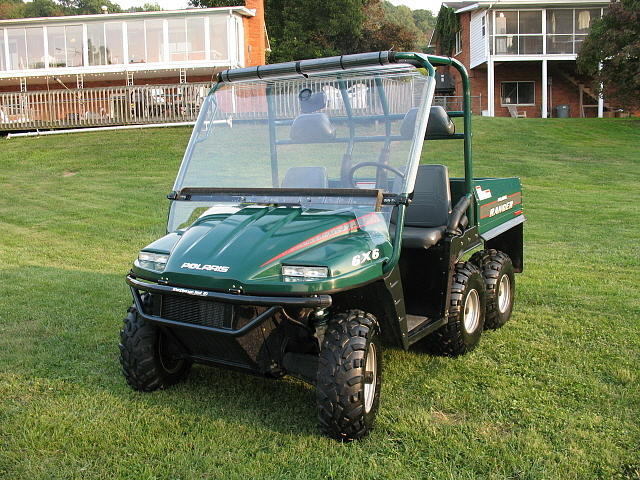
(465, 323)
(349, 376)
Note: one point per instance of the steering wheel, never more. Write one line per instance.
(377, 165)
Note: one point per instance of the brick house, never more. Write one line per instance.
(521, 56)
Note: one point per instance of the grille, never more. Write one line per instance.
(198, 312)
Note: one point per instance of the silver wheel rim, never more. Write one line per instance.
(472, 311)
(504, 294)
(370, 378)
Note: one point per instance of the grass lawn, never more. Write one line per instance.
(554, 394)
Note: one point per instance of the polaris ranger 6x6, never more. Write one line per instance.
(304, 234)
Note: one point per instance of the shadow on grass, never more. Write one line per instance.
(63, 325)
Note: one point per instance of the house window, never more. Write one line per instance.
(115, 51)
(517, 93)
(483, 20)
(96, 44)
(135, 40)
(3, 65)
(154, 38)
(74, 47)
(458, 42)
(35, 47)
(218, 37)
(17, 48)
(518, 32)
(567, 28)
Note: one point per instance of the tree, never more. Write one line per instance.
(447, 25)
(318, 28)
(147, 7)
(426, 23)
(307, 28)
(387, 29)
(43, 8)
(11, 9)
(614, 44)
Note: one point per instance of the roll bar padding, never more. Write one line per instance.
(305, 67)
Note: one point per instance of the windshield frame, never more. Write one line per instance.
(416, 140)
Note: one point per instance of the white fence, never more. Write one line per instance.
(101, 106)
(90, 107)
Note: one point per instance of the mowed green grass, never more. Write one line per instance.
(553, 394)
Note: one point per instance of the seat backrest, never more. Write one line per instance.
(439, 124)
(312, 127)
(305, 177)
(431, 203)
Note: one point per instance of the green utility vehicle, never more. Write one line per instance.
(304, 234)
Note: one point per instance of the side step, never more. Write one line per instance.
(419, 326)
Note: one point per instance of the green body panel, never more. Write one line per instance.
(255, 242)
(498, 200)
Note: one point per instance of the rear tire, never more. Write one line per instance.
(349, 376)
(500, 285)
(466, 314)
(146, 362)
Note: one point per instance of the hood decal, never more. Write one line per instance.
(337, 231)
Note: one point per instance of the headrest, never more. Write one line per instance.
(439, 123)
(312, 127)
(311, 102)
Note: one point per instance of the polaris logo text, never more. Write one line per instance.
(188, 291)
(501, 208)
(208, 268)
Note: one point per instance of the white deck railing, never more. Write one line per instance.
(101, 106)
(135, 105)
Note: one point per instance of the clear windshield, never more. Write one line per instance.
(322, 136)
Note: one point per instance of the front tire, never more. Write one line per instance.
(147, 359)
(500, 284)
(466, 318)
(349, 376)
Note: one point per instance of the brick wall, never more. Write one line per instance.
(255, 34)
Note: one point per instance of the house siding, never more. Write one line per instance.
(477, 43)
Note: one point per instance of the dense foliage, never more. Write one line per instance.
(309, 28)
(614, 43)
(447, 25)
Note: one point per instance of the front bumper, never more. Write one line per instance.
(274, 304)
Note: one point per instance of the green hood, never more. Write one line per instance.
(246, 250)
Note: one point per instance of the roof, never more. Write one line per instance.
(124, 16)
(460, 7)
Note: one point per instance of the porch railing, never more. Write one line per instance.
(101, 106)
(454, 103)
(93, 107)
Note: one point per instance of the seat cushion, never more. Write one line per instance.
(421, 237)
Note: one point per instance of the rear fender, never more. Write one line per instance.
(510, 242)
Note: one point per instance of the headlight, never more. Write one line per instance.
(293, 273)
(153, 261)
